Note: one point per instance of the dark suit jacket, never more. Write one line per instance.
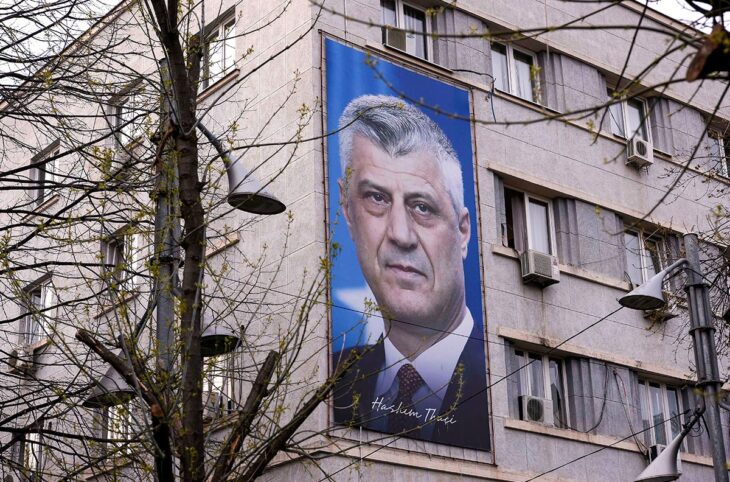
(465, 402)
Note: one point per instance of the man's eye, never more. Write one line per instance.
(377, 197)
(423, 209)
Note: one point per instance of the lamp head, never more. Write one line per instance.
(245, 193)
(650, 296)
(666, 466)
(111, 390)
(217, 340)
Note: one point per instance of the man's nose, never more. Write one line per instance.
(400, 227)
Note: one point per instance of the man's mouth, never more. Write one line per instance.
(404, 269)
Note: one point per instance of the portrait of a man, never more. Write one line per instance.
(401, 194)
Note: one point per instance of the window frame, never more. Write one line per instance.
(32, 455)
(400, 25)
(43, 170)
(126, 242)
(127, 117)
(214, 35)
(524, 358)
(121, 412)
(34, 324)
(526, 216)
(512, 76)
(645, 254)
(217, 382)
(645, 385)
(622, 104)
(721, 141)
(551, 222)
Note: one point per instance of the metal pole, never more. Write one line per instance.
(167, 229)
(703, 337)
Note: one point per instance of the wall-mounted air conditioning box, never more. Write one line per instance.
(395, 38)
(536, 409)
(639, 153)
(539, 268)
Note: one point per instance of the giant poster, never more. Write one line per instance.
(406, 278)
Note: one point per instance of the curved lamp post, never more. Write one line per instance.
(649, 296)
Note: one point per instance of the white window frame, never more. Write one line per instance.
(32, 455)
(127, 118)
(723, 162)
(118, 424)
(400, 24)
(512, 79)
(42, 175)
(35, 326)
(644, 255)
(623, 105)
(526, 197)
(644, 385)
(551, 222)
(227, 56)
(526, 380)
(217, 383)
(129, 266)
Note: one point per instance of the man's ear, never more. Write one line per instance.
(343, 201)
(464, 231)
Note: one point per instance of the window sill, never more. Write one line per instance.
(221, 245)
(42, 207)
(570, 270)
(593, 439)
(218, 85)
(40, 344)
(527, 102)
(406, 57)
(108, 306)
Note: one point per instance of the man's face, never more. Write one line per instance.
(409, 240)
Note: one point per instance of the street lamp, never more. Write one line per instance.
(111, 390)
(649, 296)
(245, 193)
(665, 467)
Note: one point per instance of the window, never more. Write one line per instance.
(39, 301)
(515, 71)
(128, 118)
(220, 52)
(660, 412)
(412, 19)
(645, 256)
(628, 118)
(43, 174)
(529, 222)
(544, 377)
(31, 453)
(121, 257)
(118, 427)
(718, 156)
(216, 387)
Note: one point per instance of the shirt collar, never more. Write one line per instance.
(435, 365)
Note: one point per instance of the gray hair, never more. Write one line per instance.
(399, 128)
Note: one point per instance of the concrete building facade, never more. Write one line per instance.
(563, 98)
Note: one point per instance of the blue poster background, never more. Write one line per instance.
(350, 74)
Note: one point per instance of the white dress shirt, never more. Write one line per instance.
(435, 365)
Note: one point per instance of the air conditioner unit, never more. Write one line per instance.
(639, 153)
(21, 360)
(394, 37)
(539, 268)
(536, 409)
(656, 449)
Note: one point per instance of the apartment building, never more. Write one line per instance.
(584, 159)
